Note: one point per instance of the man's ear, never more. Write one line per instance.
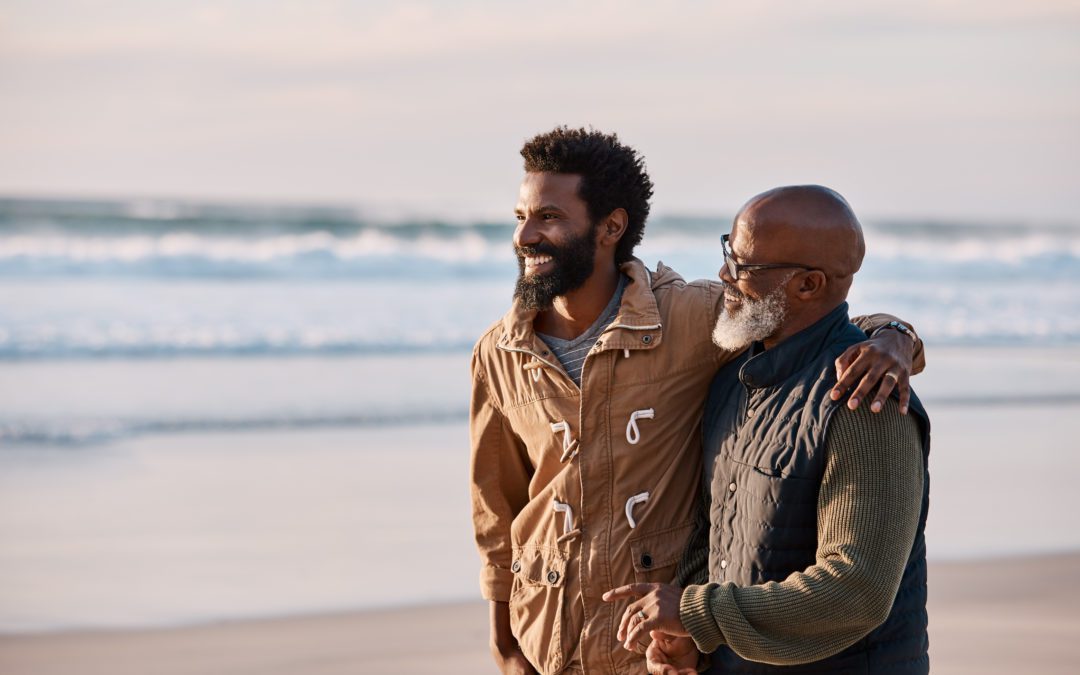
(612, 228)
(812, 285)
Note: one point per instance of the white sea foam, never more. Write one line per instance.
(169, 279)
(50, 247)
(467, 247)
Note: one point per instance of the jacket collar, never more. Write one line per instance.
(768, 367)
(638, 317)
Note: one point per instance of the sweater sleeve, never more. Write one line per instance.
(868, 512)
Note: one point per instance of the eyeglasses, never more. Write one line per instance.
(735, 268)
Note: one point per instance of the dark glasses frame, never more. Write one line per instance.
(735, 268)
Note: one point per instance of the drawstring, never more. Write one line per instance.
(633, 434)
(630, 504)
(626, 353)
(535, 366)
(570, 452)
(568, 521)
(562, 426)
(569, 446)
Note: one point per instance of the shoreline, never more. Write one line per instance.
(996, 615)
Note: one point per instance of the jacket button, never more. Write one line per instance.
(723, 564)
(553, 577)
(732, 487)
(516, 567)
(646, 339)
(646, 560)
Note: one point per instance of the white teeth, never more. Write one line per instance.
(538, 260)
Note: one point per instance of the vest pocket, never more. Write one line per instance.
(657, 554)
(537, 606)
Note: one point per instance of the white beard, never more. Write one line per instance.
(754, 320)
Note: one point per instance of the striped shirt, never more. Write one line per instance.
(572, 353)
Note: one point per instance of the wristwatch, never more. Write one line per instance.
(896, 325)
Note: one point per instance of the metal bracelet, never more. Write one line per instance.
(896, 325)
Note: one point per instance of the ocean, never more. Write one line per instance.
(216, 411)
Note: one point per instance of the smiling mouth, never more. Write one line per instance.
(533, 262)
(732, 300)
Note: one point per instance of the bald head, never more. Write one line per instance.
(806, 224)
(800, 247)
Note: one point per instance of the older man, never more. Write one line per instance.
(815, 549)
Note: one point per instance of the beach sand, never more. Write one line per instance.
(1013, 615)
(207, 528)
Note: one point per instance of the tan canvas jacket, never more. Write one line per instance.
(578, 491)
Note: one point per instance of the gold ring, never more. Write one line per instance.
(893, 375)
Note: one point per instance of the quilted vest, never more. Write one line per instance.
(764, 429)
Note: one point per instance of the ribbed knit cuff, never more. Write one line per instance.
(495, 583)
(696, 615)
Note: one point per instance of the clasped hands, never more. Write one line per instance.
(654, 612)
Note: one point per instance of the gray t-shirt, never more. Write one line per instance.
(572, 353)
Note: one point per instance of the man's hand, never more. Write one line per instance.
(883, 361)
(656, 607)
(670, 655)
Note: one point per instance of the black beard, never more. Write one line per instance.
(573, 265)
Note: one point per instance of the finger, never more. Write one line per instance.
(628, 591)
(660, 668)
(660, 636)
(871, 376)
(855, 369)
(888, 383)
(655, 658)
(655, 653)
(904, 389)
(656, 661)
(843, 362)
(640, 629)
(627, 620)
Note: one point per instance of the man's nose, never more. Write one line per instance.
(526, 233)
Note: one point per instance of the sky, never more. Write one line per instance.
(943, 109)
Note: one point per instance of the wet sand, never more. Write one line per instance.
(997, 616)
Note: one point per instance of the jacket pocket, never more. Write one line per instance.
(777, 524)
(779, 501)
(537, 606)
(656, 555)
